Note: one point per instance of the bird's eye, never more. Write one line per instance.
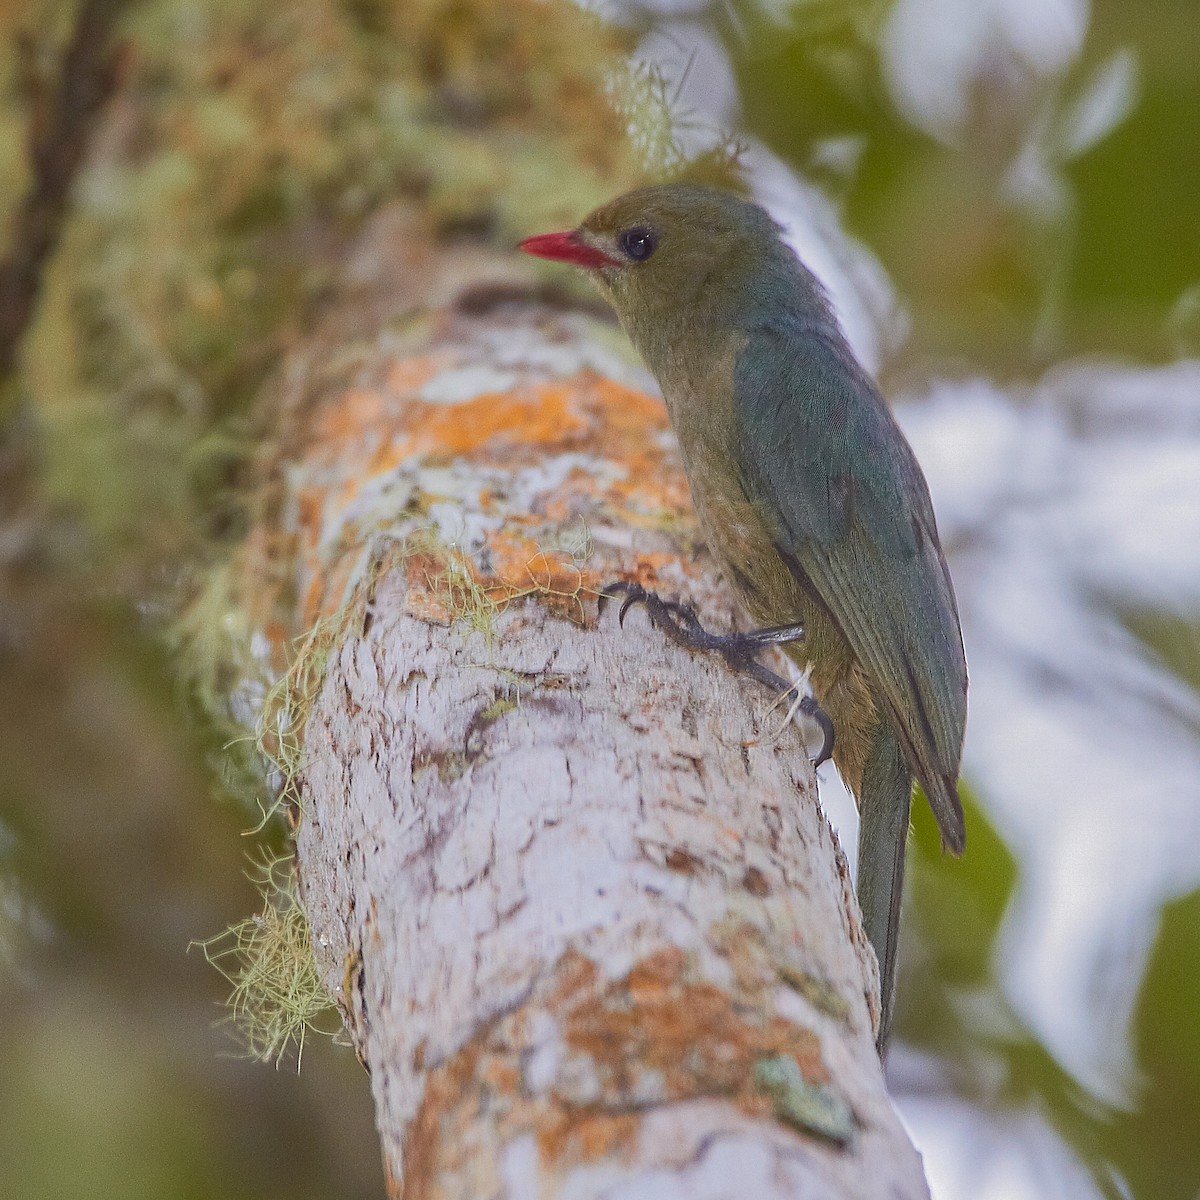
(638, 243)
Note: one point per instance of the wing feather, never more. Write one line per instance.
(822, 455)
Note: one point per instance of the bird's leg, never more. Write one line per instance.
(680, 623)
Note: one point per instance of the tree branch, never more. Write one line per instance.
(584, 919)
(60, 129)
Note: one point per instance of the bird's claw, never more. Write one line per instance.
(811, 709)
(681, 624)
(657, 608)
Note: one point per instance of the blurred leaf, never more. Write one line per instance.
(951, 1003)
(1064, 219)
(1157, 1145)
(1174, 639)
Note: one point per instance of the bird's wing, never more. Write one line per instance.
(823, 456)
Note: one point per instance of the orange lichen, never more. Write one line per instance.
(691, 1033)
(531, 416)
(649, 490)
(405, 376)
(368, 433)
(573, 973)
(309, 502)
(354, 410)
(650, 979)
(521, 567)
(425, 606)
(325, 590)
(310, 602)
(629, 411)
(646, 567)
(583, 411)
(512, 554)
(655, 1037)
(500, 1075)
(567, 1136)
(445, 1088)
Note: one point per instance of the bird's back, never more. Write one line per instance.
(822, 458)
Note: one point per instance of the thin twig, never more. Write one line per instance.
(61, 125)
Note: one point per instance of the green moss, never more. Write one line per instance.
(498, 707)
(287, 704)
(820, 993)
(217, 211)
(212, 218)
(455, 586)
(809, 1107)
(276, 999)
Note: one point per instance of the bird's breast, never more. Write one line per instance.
(739, 535)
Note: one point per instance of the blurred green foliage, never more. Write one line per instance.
(1138, 192)
(1104, 258)
(1174, 640)
(951, 1005)
(1155, 1144)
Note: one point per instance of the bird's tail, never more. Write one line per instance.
(883, 810)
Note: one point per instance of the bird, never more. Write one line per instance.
(808, 496)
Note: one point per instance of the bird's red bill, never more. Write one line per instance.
(568, 248)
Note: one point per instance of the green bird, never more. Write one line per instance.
(808, 495)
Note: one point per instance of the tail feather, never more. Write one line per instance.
(942, 794)
(883, 808)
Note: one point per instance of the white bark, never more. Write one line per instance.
(574, 930)
(588, 928)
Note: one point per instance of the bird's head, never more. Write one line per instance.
(671, 249)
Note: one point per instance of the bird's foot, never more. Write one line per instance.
(681, 624)
(814, 712)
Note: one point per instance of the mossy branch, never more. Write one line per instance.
(277, 999)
